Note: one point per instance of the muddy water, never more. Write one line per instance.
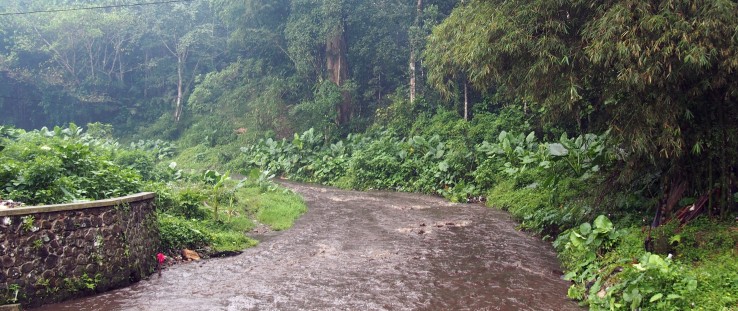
(364, 251)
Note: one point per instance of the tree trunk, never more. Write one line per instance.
(466, 101)
(337, 66)
(147, 72)
(91, 58)
(412, 75)
(119, 58)
(413, 52)
(178, 107)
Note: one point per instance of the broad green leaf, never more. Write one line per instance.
(530, 138)
(585, 228)
(675, 239)
(564, 138)
(602, 224)
(579, 142)
(570, 275)
(656, 297)
(506, 146)
(439, 153)
(557, 150)
(527, 159)
(576, 240)
(692, 285)
(443, 166)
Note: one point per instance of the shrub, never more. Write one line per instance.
(177, 233)
(47, 167)
(188, 204)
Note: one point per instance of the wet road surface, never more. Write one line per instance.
(364, 251)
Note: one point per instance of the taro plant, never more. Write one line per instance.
(582, 247)
(159, 148)
(329, 164)
(263, 179)
(654, 282)
(517, 152)
(583, 155)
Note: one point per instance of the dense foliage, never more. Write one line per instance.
(558, 189)
(61, 165)
(204, 211)
(560, 112)
(660, 75)
(258, 65)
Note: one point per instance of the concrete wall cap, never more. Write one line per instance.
(27, 210)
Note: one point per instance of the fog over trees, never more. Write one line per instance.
(129, 64)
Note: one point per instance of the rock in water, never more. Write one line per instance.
(190, 255)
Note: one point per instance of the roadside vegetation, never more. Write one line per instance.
(559, 187)
(201, 210)
(609, 128)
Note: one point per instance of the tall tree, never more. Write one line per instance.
(655, 72)
(337, 65)
(379, 36)
(316, 34)
(413, 50)
(189, 36)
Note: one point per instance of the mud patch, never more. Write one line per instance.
(452, 224)
(424, 228)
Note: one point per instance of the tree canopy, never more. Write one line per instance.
(660, 74)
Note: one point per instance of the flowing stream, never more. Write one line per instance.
(364, 251)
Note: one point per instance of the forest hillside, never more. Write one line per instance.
(609, 128)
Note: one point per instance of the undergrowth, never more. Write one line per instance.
(561, 188)
(197, 208)
(214, 216)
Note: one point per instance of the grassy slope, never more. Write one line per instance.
(239, 211)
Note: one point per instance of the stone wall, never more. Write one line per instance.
(56, 252)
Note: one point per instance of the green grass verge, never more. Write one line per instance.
(278, 209)
(190, 223)
(178, 233)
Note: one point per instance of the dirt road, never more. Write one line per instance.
(365, 251)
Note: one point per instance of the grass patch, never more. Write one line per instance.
(228, 240)
(276, 208)
(178, 233)
(202, 157)
(188, 219)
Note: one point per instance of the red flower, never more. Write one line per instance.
(160, 257)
